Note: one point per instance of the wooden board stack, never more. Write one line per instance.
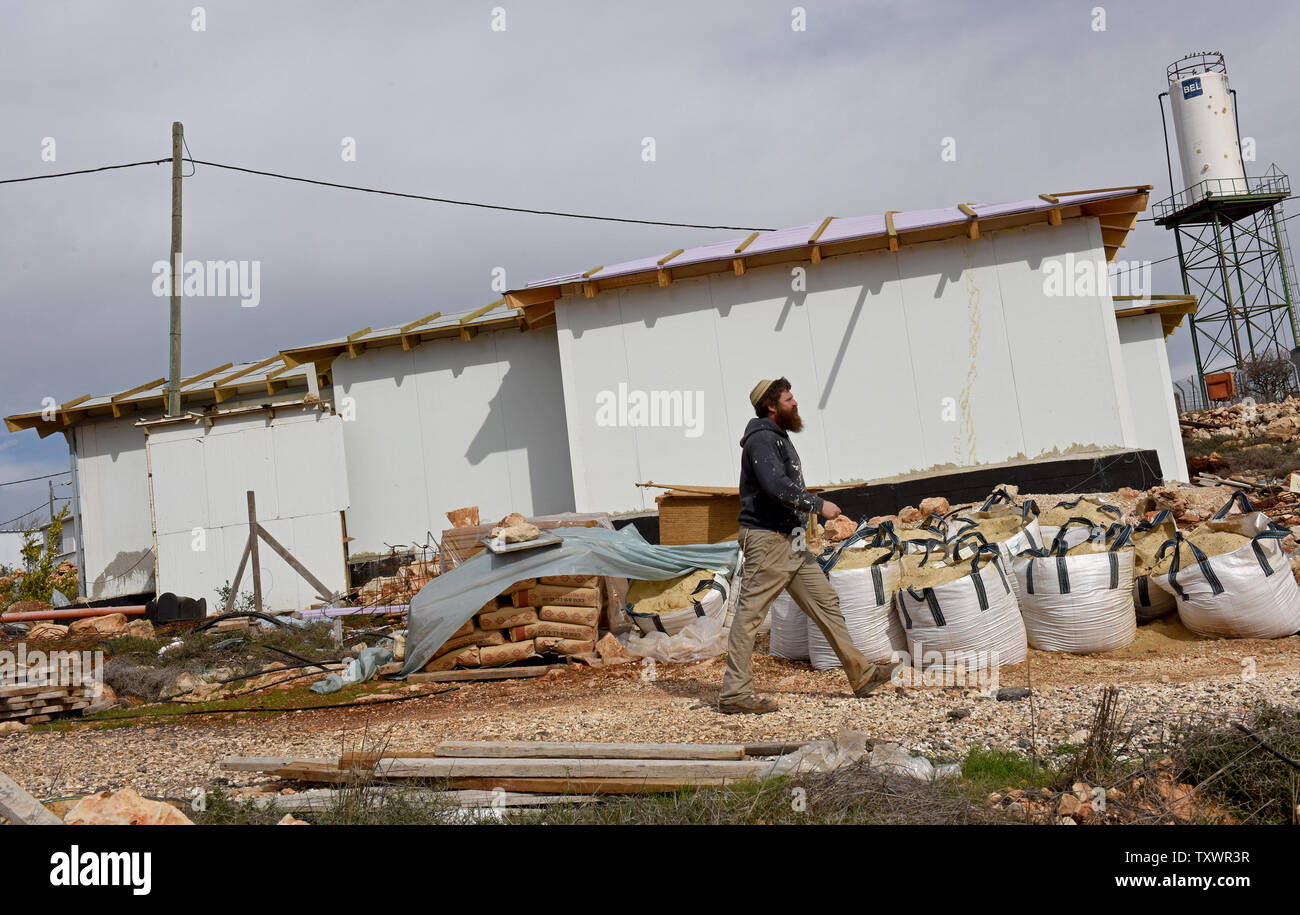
(31, 700)
(538, 766)
(556, 615)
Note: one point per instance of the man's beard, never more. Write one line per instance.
(789, 420)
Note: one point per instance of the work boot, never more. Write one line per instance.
(747, 705)
(879, 673)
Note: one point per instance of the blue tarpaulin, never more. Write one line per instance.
(444, 604)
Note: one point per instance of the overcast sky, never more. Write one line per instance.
(754, 123)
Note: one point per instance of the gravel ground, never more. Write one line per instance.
(1166, 675)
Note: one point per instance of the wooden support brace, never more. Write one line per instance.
(590, 289)
(889, 228)
(322, 591)
(746, 243)
(665, 277)
(738, 264)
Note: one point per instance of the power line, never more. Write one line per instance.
(29, 479)
(23, 515)
(471, 203)
(83, 171)
(371, 190)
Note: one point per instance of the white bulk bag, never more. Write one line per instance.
(710, 599)
(733, 600)
(1151, 602)
(789, 629)
(1078, 603)
(1078, 534)
(1249, 593)
(973, 621)
(867, 602)
(1027, 538)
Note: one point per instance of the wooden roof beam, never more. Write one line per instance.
(890, 230)
(64, 407)
(973, 231)
(354, 349)
(480, 312)
(1136, 188)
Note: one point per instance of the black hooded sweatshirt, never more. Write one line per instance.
(772, 493)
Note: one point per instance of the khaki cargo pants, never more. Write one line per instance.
(772, 565)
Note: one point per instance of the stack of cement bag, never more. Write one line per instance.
(559, 614)
(963, 609)
(1230, 577)
(1079, 598)
(1151, 602)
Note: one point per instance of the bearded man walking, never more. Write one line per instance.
(774, 508)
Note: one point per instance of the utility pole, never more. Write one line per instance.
(174, 367)
(51, 501)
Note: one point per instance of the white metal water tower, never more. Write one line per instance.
(1228, 227)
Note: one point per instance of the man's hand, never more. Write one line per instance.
(830, 510)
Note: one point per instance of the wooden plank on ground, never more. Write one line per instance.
(311, 771)
(542, 749)
(20, 808)
(494, 673)
(259, 763)
(773, 748)
(451, 767)
(589, 786)
(324, 798)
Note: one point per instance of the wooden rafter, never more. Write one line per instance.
(890, 230)
(407, 328)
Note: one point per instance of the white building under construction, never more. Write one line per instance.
(913, 341)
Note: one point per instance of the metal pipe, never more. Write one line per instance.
(1168, 162)
(70, 613)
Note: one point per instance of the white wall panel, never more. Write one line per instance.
(866, 400)
(450, 423)
(762, 330)
(960, 357)
(1059, 346)
(293, 463)
(116, 527)
(1151, 389)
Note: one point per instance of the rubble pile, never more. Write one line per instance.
(1245, 420)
